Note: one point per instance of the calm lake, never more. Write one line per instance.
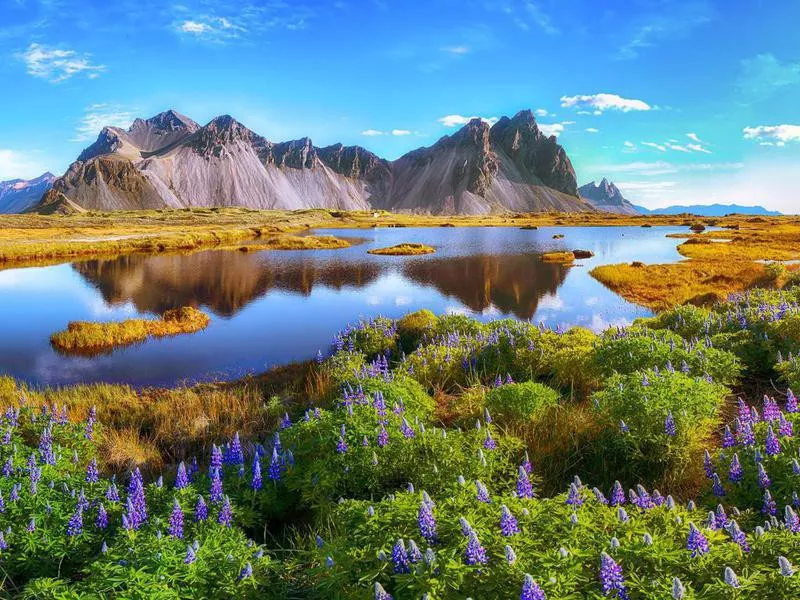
(271, 308)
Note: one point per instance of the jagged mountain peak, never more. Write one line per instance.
(606, 196)
(169, 120)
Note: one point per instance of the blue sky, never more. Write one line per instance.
(676, 101)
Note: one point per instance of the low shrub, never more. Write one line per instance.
(520, 403)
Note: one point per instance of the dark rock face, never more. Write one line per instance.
(19, 195)
(606, 197)
(171, 161)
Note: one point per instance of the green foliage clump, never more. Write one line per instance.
(642, 449)
(520, 402)
(373, 337)
(413, 327)
(640, 349)
(687, 320)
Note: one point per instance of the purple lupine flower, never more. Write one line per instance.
(112, 495)
(191, 557)
(720, 518)
(769, 507)
(508, 523)
(489, 443)
(92, 475)
(200, 510)
(182, 477)
(475, 554)
(383, 437)
(716, 487)
(531, 590)
(380, 593)
(785, 566)
(216, 487)
(708, 466)
(75, 523)
(216, 458)
(623, 427)
(286, 422)
(791, 402)
(735, 473)
(482, 493)
(785, 427)
(274, 472)
(773, 445)
(511, 556)
(400, 558)
(574, 496)
(617, 495)
(526, 464)
(791, 520)
(3, 542)
(669, 425)
(256, 480)
(225, 516)
(611, 578)
(466, 528)
(771, 410)
(696, 542)
(524, 487)
(341, 446)
(31, 527)
(745, 434)
(406, 429)
(46, 454)
(730, 578)
(763, 478)
(427, 523)
(101, 522)
(414, 554)
(728, 441)
(176, 520)
(246, 572)
(234, 454)
(738, 536)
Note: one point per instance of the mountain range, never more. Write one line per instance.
(20, 195)
(709, 210)
(606, 197)
(170, 161)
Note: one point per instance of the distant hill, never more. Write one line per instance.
(605, 196)
(169, 161)
(710, 210)
(19, 195)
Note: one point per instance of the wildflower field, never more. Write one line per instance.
(443, 458)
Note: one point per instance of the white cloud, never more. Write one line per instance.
(658, 147)
(371, 132)
(592, 130)
(457, 120)
(456, 50)
(662, 167)
(555, 129)
(401, 132)
(629, 144)
(541, 18)
(698, 148)
(98, 116)
(603, 102)
(778, 134)
(56, 65)
(694, 138)
(210, 28)
(16, 164)
(678, 148)
(541, 112)
(646, 185)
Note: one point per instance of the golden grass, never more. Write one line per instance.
(559, 257)
(86, 337)
(407, 249)
(662, 286)
(298, 242)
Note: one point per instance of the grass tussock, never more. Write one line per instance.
(297, 242)
(558, 257)
(697, 282)
(403, 250)
(86, 337)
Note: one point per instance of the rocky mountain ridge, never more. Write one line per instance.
(169, 161)
(606, 197)
(19, 195)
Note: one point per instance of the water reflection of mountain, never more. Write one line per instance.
(223, 281)
(512, 283)
(227, 281)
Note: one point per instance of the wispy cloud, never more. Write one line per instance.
(459, 120)
(662, 167)
(98, 116)
(655, 146)
(395, 132)
(372, 132)
(541, 112)
(774, 135)
(541, 18)
(698, 148)
(694, 138)
(676, 21)
(401, 132)
(226, 22)
(592, 130)
(600, 103)
(18, 164)
(58, 64)
(764, 75)
(457, 50)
